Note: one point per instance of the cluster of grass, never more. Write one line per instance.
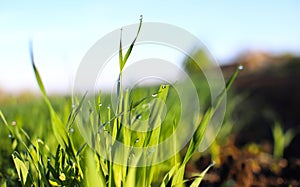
(67, 160)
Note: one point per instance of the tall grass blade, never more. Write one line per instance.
(57, 125)
(132, 44)
(124, 60)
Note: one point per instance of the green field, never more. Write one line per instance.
(55, 140)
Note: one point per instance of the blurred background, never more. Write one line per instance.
(62, 32)
(263, 36)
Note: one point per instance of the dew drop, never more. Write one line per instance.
(10, 136)
(108, 107)
(49, 159)
(139, 116)
(163, 86)
(13, 123)
(241, 67)
(131, 156)
(74, 106)
(141, 17)
(137, 140)
(154, 95)
(100, 104)
(71, 130)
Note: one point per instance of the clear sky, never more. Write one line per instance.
(63, 31)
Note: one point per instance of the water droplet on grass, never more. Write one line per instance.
(100, 104)
(241, 67)
(139, 116)
(71, 130)
(154, 95)
(49, 159)
(131, 156)
(163, 86)
(13, 123)
(10, 136)
(137, 140)
(108, 107)
(74, 106)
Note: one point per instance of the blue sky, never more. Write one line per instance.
(63, 31)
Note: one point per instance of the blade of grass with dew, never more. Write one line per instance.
(155, 116)
(151, 138)
(118, 130)
(35, 156)
(74, 113)
(155, 121)
(198, 135)
(15, 133)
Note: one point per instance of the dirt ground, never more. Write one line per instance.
(251, 165)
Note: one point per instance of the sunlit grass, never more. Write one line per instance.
(60, 157)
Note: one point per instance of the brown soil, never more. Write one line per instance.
(251, 165)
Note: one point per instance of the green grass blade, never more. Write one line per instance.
(21, 167)
(167, 178)
(5, 122)
(233, 77)
(3, 119)
(199, 178)
(74, 113)
(122, 60)
(132, 44)
(93, 176)
(131, 177)
(155, 116)
(57, 125)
